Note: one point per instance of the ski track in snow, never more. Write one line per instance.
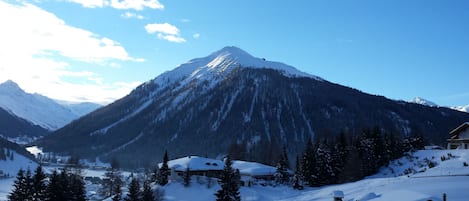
(300, 105)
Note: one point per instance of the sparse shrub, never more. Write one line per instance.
(443, 158)
(431, 164)
(465, 164)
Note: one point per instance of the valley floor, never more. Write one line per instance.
(449, 176)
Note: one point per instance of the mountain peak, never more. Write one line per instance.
(219, 63)
(232, 51)
(9, 85)
(422, 101)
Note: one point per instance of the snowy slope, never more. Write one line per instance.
(422, 101)
(449, 176)
(35, 108)
(11, 167)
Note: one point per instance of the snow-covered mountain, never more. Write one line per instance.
(80, 109)
(231, 99)
(35, 108)
(462, 108)
(422, 101)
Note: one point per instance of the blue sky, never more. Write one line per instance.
(98, 50)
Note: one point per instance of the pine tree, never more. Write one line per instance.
(112, 178)
(64, 182)
(308, 164)
(187, 177)
(154, 175)
(77, 188)
(55, 191)
(19, 191)
(39, 185)
(229, 187)
(134, 193)
(147, 194)
(324, 170)
(117, 192)
(281, 175)
(164, 170)
(29, 185)
(297, 183)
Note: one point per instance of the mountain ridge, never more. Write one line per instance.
(35, 108)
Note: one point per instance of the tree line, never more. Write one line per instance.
(37, 186)
(343, 159)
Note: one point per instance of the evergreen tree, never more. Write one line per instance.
(77, 188)
(112, 179)
(39, 185)
(64, 182)
(55, 191)
(155, 173)
(308, 164)
(29, 185)
(297, 183)
(229, 187)
(134, 193)
(19, 191)
(147, 193)
(352, 166)
(117, 192)
(282, 176)
(324, 170)
(164, 170)
(187, 177)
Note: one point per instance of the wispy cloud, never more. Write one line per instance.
(196, 35)
(165, 31)
(37, 49)
(129, 15)
(121, 4)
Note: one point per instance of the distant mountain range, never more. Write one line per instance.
(25, 114)
(231, 99)
(425, 102)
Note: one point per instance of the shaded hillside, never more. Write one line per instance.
(13, 126)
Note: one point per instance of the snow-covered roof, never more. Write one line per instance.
(253, 168)
(459, 129)
(195, 163)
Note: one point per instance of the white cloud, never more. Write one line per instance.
(165, 28)
(165, 31)
(37, 49)
(121, 4)
(136, 4)
(196, 35)
(129, 15)
(172, 38)
(91, 3)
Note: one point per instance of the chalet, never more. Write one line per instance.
(252, 172)
(459, 137)
(199, 166)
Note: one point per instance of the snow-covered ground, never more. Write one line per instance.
(422, 183)
(10, 168)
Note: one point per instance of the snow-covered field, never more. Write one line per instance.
(448, 176)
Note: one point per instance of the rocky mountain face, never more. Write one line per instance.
(228, 98)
